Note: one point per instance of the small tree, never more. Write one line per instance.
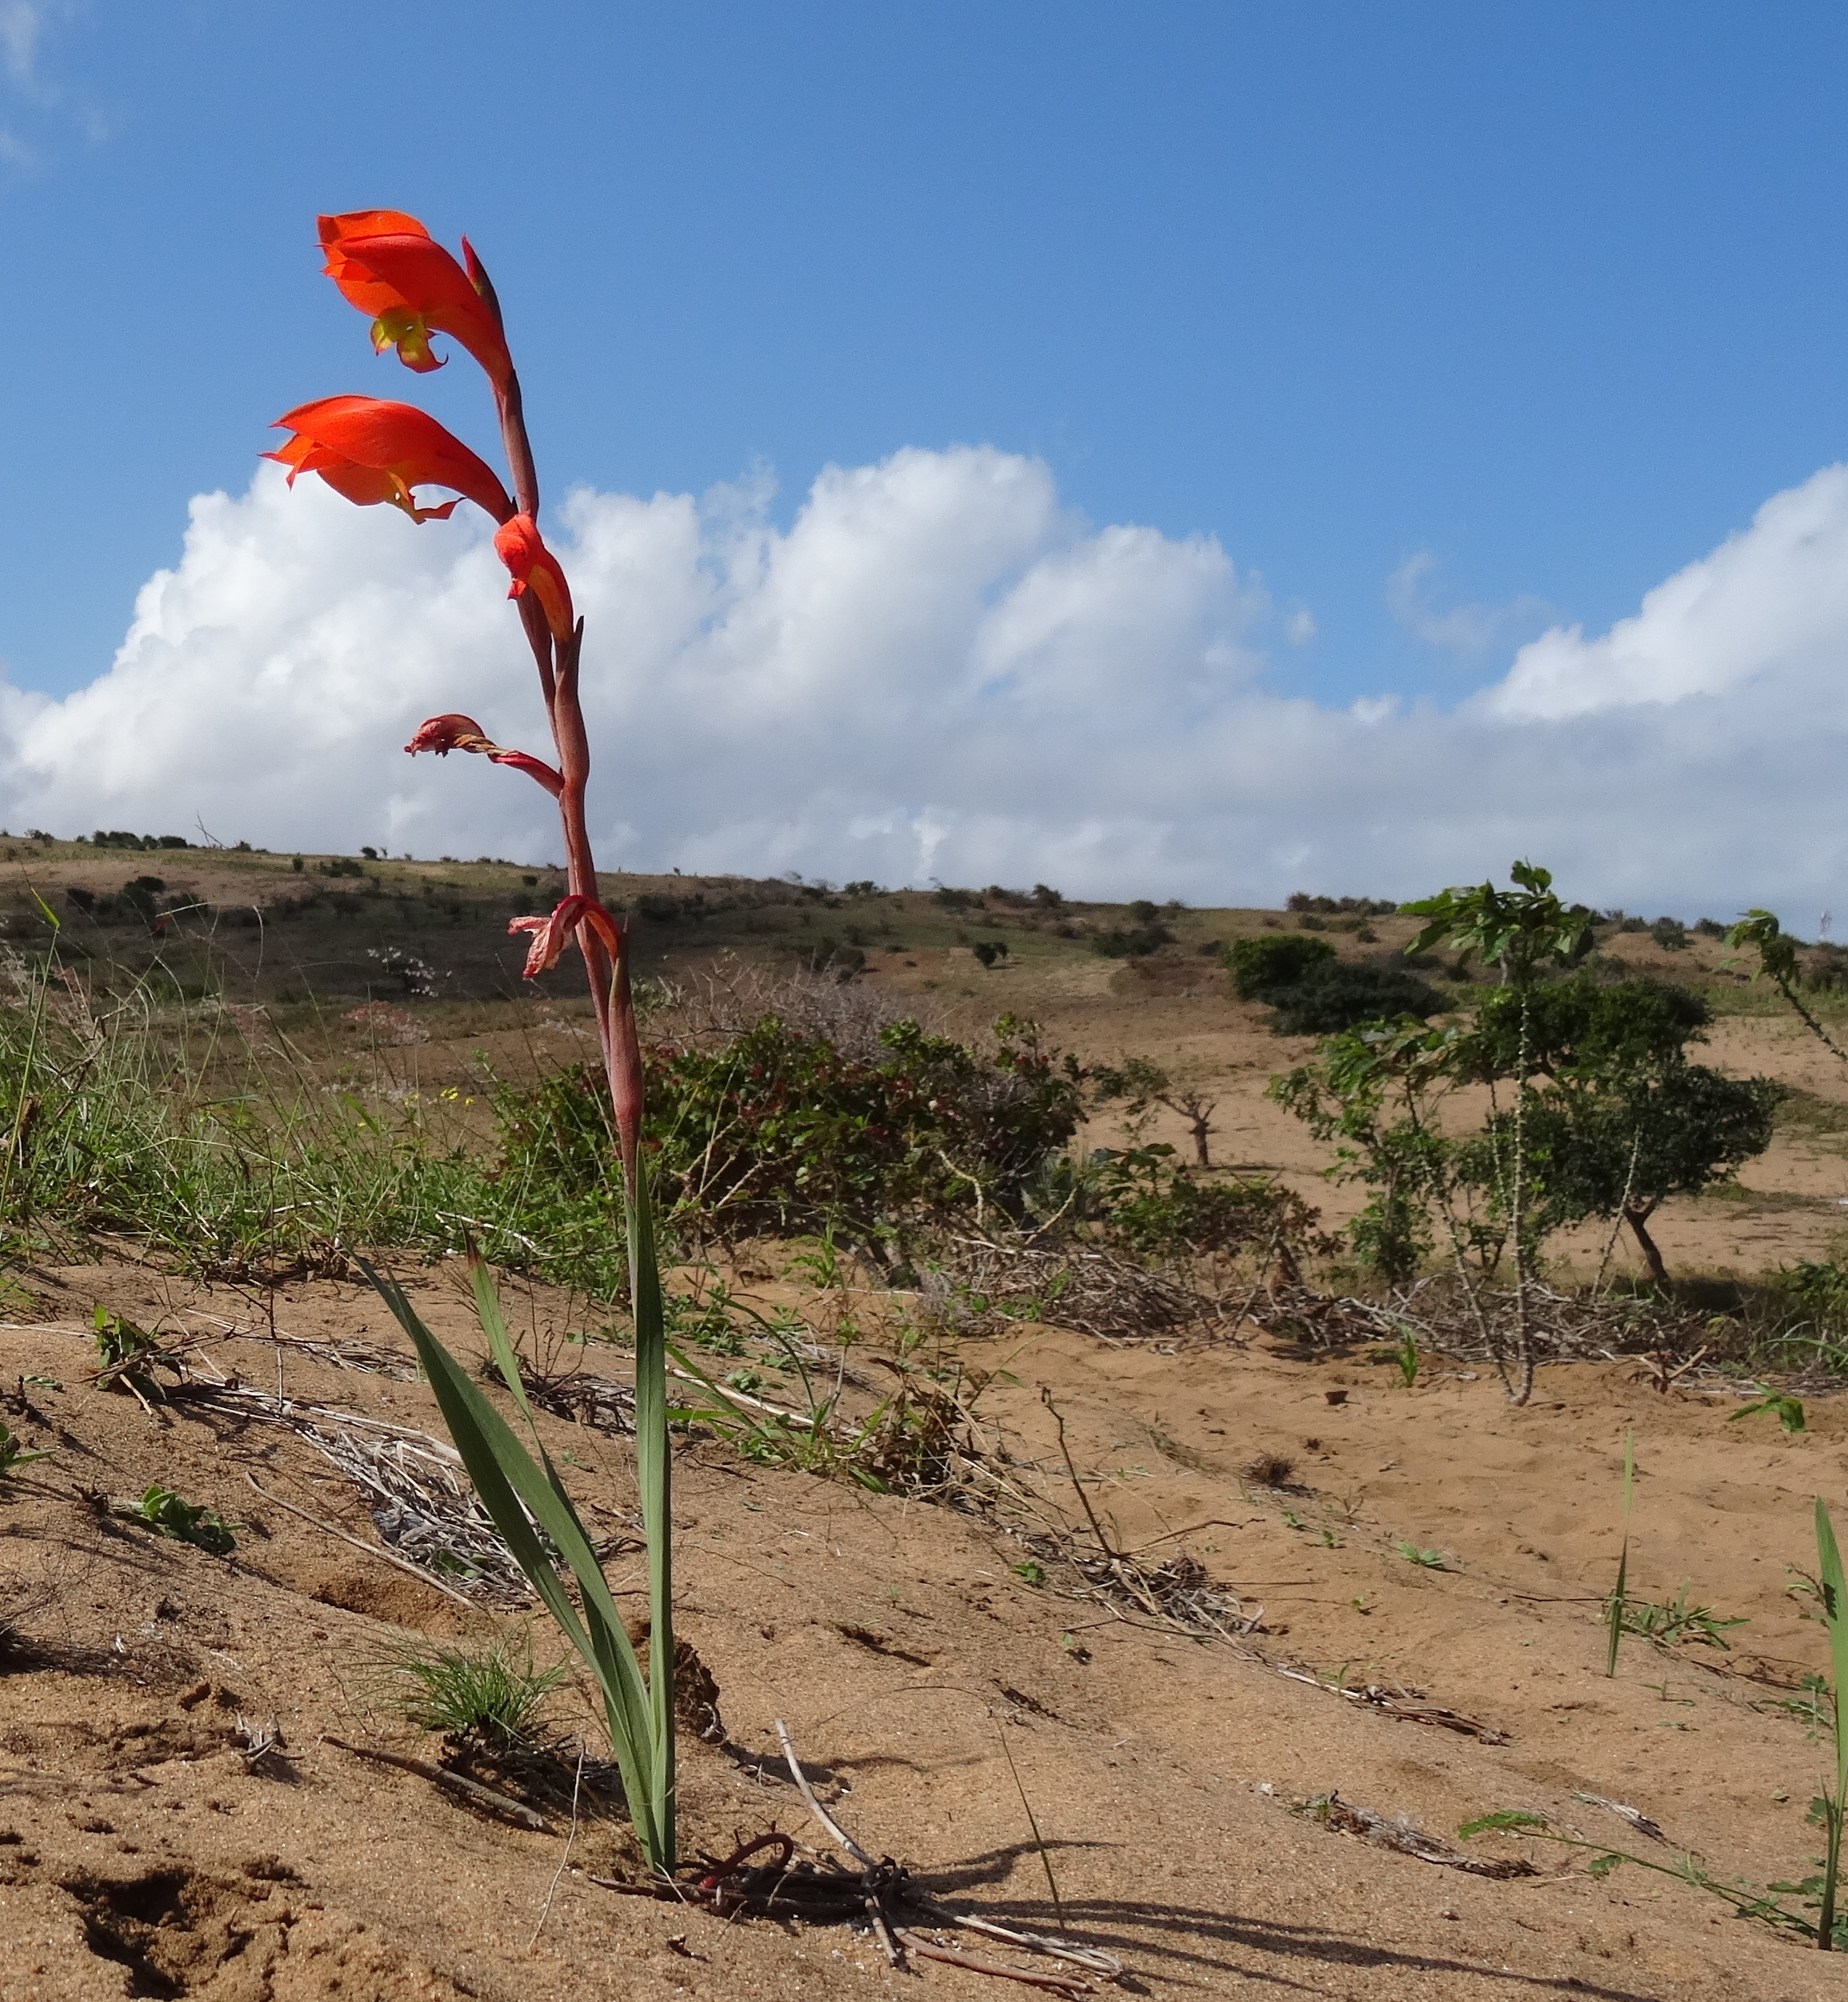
(1521, 931)
(1778, 961)
(1623, 1121)
(1377, 1092)
(1139, 1083)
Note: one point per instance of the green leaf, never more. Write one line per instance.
(1788, 1409)
(519, 1495)
(1835, 1615)
(654, 1476)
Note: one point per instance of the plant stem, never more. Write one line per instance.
(613, 1001)
(1522, 1388)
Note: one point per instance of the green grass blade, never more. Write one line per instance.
(517, 1492)
(1619, 1598)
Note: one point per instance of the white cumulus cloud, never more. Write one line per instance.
(937, 669)
(1770, 606)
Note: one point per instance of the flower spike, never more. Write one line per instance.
(372, 451)
(535, 568)
(388, 264)
(444, 734)
(551, 934)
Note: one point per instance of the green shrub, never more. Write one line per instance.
(1137, 943)
(1261, 967)
(1339, 994)
(1362, 907)
(781, 1130)
(1157, 1208)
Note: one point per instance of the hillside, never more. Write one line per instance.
(1213, 1696)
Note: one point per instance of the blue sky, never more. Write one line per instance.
(1217, 450)
(1549, 296)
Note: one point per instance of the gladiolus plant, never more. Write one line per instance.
(388, 265)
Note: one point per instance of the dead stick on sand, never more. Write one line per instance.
(815, 1808)
(1101, 1963)
(441, 1776)
(372, 1550)
(1065, 1984)
(552, 1889)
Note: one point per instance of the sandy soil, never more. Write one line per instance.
(142, 1855)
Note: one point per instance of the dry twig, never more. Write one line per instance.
(471, 1790)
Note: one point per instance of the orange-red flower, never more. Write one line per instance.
(533, 567)
(444, 734)
(551, 934)
(388, 264)
(372, 451)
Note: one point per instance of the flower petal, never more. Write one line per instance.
(373, 451)
(533, 567)
(551, 935)
(387, 263)
(444, 734)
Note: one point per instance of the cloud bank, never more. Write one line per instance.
(937, 671)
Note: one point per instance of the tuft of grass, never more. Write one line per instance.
(493, 1693)
(1678, 1621)
(155, 1116)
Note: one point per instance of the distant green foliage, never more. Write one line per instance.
(1363, 907)
(1316, 994)
(1577, 1028)
(1609, 1119)
(1138, 941)
(118, 838)
(1620, 1120)
(1263, 968)
(1339, 994)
